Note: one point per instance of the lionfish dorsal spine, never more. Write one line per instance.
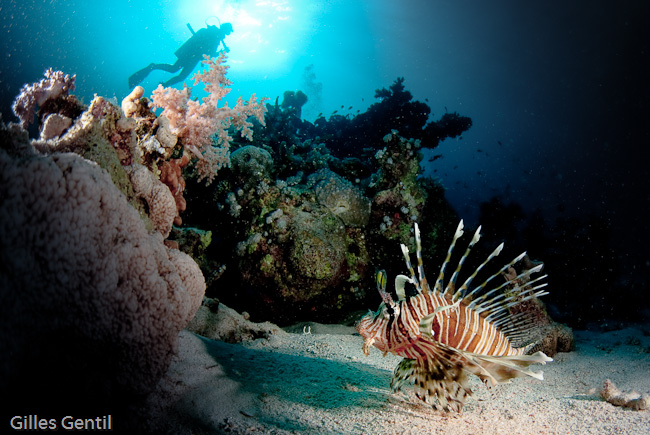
(452, 281)
(503, 302)
(407, 259)
(460, 293)
(500, 272)
(400, 286)
(418, 253)
(509, 302)
(482, 303)
(441, 276)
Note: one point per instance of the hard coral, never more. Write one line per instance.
(130, 102)
(100, 134)
(251, 164)
(161, 202)
(171, 175)
(84, 286)
(194, 123)
(341, 197)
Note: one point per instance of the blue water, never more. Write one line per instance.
(558, 91)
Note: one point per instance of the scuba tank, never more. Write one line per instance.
(201, 42)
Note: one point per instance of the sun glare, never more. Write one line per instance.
(266, 34)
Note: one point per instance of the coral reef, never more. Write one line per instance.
(306, 224)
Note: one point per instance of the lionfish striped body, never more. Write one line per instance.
(446, 332)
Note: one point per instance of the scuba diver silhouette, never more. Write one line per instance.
(204, 42)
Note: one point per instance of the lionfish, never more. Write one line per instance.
(446, 332)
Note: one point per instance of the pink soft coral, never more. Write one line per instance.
(54, 85)
(196, 122)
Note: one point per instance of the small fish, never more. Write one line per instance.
(435, 157)
(446, 332)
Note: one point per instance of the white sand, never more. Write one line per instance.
(322, 383)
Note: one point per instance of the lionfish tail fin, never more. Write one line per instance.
(443, 386)
(500, 369)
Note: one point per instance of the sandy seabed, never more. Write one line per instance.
(322, 383)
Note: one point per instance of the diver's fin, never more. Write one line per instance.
(136, 78)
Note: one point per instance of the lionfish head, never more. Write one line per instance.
(373, 324)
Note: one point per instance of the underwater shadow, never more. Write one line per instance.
(315, 382)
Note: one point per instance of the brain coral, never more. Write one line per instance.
(87, 295)
(250, 164)
(341, 197)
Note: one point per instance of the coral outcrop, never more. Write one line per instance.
(306, 225)
(91, 301)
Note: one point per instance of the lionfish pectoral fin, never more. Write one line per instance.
(439, 383)
(367, 344)
(500, 369)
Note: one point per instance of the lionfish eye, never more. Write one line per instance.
(388, 311)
